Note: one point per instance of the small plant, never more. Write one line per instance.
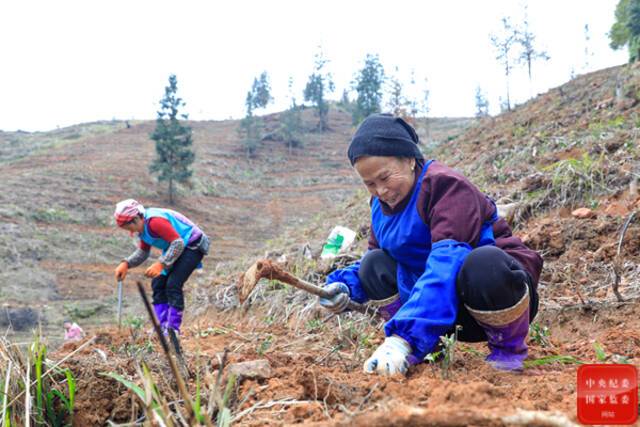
(264, 345)
(134, 322)
(314, 325)
(52, 405)
(446, 354)
(365, 340)
(601, 355)
(135, 325)
(539, 334)
(616, 122)
(449, 345)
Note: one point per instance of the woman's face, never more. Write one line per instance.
(388, 178)
(135, 226)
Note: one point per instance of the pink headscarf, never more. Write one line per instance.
(127, 210)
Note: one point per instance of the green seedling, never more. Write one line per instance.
(445, 356)
(197, 405)
(264, 345)
(314, 325)
(365, 340)
(449, 346)
(539, 334)
(601, 356)
(53, 406)
(224, 414)
(134, 322)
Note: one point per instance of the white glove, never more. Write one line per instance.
(389, 358)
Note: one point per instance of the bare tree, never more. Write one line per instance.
(397, 103)
(587, 44)
(412, 101)
(482, 104)
(528, 54)
(503, 43)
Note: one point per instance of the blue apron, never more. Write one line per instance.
(431, 270)
(183, 229)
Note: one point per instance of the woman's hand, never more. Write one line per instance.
(338, 297)
(121, 270)
(155, 270)
(389, 358)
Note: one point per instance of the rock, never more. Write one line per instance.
(583, 213)
(253, 369)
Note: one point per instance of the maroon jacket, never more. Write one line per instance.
(454, 208)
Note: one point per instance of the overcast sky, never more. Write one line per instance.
(67, 62)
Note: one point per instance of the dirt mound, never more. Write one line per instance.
(313, 382)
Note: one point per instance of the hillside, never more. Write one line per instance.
(60, 187)
(566, 162)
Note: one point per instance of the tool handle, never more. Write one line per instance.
(322, 293)
(119, 303)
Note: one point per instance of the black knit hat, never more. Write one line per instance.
(384, 135)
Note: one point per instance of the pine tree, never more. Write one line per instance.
(251, 126)
(503, 43)
(320, 83)
(291, 122)
(173, 141)
(261, 91)
(368, 85)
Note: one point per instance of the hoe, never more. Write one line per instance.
(266, 269)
